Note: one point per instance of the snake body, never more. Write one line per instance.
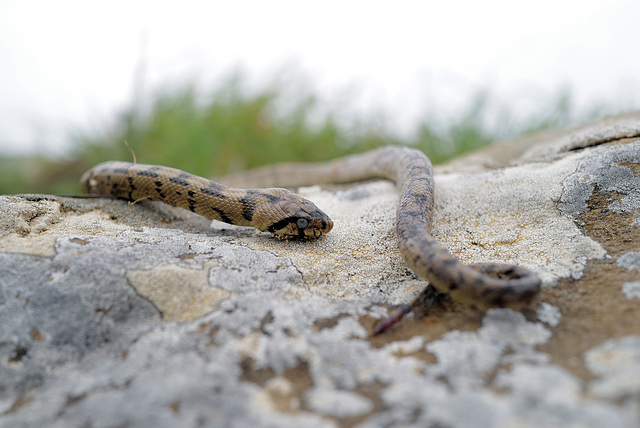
(279, 211)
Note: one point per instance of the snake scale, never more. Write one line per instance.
(287, 215)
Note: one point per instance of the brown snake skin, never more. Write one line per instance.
(278, 211)
(287, 215)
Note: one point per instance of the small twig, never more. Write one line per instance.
(139, 200)
(133, 154)
(393, 319)
(427, 297)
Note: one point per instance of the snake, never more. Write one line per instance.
(287, 215)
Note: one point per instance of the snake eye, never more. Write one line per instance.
(302, 223)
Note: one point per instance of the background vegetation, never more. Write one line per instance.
(228, 129)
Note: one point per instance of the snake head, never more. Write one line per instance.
(298, 218)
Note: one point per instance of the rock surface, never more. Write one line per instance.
(141, 315)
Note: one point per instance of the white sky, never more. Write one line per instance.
(67, 64)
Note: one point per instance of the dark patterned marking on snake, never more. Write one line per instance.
(179, 180)
(248, 205)
(149, 174)
(215, 192)
(281, 224)
(222, 215)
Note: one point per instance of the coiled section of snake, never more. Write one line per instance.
(481, 284)
(278, 211)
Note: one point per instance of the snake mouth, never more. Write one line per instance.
(327, 225)
(317, 228)
(301, 227)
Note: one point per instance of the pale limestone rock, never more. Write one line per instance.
(143, 315)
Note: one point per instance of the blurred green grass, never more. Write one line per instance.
(229, 129)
